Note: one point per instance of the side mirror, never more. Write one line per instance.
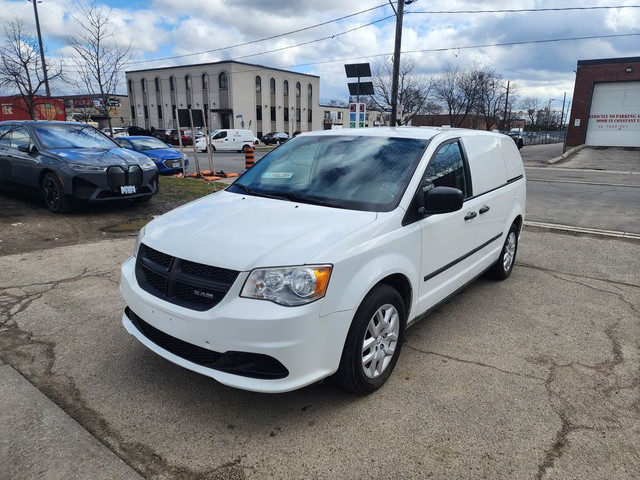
(442, 200)
(28, 148)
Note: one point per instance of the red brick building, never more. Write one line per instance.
(606, 103)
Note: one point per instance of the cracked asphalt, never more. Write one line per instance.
(537, 377)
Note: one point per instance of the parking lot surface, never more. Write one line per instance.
(534, 377)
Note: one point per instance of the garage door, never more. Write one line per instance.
(614, 120)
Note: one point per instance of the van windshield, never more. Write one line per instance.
(354, 172)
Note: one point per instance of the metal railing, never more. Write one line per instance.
(539, 138)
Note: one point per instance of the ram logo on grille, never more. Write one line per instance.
(189, 284)
(200, 293)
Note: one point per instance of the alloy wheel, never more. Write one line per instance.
(380, 340)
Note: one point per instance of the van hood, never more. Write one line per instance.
(242, 232)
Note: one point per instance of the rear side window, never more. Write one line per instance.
(447, 169)
(4, 135)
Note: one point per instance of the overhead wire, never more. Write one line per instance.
(529, 10)
(266, 38)
(519, 10)
(432, 50)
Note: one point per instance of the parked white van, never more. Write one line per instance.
(227, 140)
(317, 258)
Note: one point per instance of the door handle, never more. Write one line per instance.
(484, 209)
(470, 216)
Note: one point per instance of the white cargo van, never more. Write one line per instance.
(317, 258)
(227, 140)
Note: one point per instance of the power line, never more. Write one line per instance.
(519, 10)
(436, 50)
(444, 49)
(266, 38)
(369, 24)
(317, 40)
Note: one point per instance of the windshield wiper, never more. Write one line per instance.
(260, 193)
(312, 200)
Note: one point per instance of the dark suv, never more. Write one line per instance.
(517, 137)
(162, 134)
(69, 161)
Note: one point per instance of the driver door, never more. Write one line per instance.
(448, 239)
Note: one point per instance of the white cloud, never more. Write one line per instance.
(164, 29)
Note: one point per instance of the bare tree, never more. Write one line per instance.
(459, 91)
(492, 99)
(531, 106)
(21, 67)
(100, 59)
(413, 91)
(431, 108)
(334, 103)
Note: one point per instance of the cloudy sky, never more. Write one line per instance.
(320, 36)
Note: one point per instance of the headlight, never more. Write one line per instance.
(86, 168)
(138, 242)
(289, 286)
(148, 164)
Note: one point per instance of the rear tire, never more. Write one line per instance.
(504, 265)
(374, 341)
(53, 194)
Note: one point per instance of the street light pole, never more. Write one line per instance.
(396, 61)
(44, 65)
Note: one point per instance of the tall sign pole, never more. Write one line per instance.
(396, 62)
(44, 65)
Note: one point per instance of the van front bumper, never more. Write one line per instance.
(244, 343)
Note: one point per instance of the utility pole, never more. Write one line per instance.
(396, 60)
(506, 108)
(564, 99)
(44, 65)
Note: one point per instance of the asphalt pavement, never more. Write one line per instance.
(540, 382)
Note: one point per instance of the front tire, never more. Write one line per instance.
(374, 341)
(504, 266)
(53, 194)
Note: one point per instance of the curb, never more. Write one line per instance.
(582, 230)
(566, 154)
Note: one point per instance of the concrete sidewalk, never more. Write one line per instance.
(39, 440)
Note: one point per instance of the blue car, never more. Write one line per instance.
(166, 158)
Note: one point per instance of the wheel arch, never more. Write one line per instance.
(402, 285)
(66, 182)
(43, 173)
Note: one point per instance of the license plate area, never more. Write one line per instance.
(127, 189)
